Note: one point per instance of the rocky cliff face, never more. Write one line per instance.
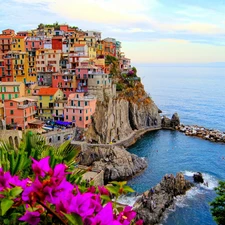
(117, 163)
(116, 118)
(153, 204)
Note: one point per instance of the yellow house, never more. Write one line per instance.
(20, 69)
(92, 52)
(1, 111)
(18, 43)
(46, 102)
(10, 90)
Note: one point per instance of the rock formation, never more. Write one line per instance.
(201, 132)
(198, 178)
(154, 202)
(117, 163)
(171, 123)
(117, 117)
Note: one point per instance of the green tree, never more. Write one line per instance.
(218, 204)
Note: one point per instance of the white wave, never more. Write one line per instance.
(210, 182)
(127, 200)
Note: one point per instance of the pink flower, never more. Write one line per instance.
(32, 218)
(83, 205)
(105, 217)
(103, 190)
(31, 192)
(53, 190)
(139, 222)
(41, 168)
(92, 189)
(126, 216)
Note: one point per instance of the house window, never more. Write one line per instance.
(51, 97)
(97, 81)
(11, 103)
(40, 97)
(73, 118)
(11, 112)
(58, 138)
(86, 103)
(86, 117)
(80, 111)
(86, 111)
(12, 120)
(80, 118)
(73, 110)
(67, 117)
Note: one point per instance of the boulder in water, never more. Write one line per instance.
(175, 120)
(198, 178)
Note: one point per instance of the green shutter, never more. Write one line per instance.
(10, 96)
(3, 97)
(78, 103)
(14, 88)
(0, 89)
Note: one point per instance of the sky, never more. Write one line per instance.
(151, 31)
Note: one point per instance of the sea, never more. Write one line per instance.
(197, 94)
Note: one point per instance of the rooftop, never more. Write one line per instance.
(22, 99)
(10, 83)
(47, 91)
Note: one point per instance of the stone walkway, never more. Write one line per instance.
(131, 139)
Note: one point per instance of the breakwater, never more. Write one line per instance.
(202, 132)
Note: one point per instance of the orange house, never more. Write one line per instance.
(20, 112)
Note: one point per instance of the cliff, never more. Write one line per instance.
(117, 163)
(153, 204)
(119, 114)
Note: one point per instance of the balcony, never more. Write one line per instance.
(25, 106)
(31, 114)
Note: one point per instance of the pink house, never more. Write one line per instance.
(20, 112)
(82, 75)
(34, 43)
(79, 109)
(66, 81)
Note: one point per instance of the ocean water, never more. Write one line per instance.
(197, 95)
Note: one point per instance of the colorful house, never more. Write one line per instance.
(8, 67)
(46, 102)
(5, 44)
(79, 109)
(18, 43)
(8, 32)
(58, 111)
(20, 112)
(66, 81)
(20, 67)
(82, 76)
(11, 90)
(47, 60)
(2, 117)
(57, 42)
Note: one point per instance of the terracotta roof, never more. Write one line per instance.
(19, 37)
(47, 91)
(5, 36)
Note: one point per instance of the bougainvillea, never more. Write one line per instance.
(48, 197)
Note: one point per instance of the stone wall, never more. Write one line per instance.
(58, 137)
(12, 136)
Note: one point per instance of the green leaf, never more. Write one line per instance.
(14, 192)
(112, 189)
(6, 205)
(128, 189)
(105, 197)
(74, 219)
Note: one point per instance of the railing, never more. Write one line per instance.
(25, 106)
